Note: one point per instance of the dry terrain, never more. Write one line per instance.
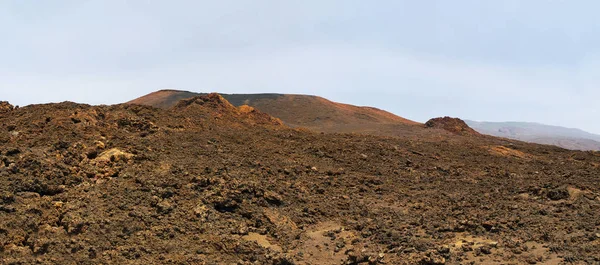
(206, 182)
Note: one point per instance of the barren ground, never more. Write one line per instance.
(206, 183)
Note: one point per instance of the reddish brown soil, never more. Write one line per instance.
(319, 113)
(163, 98)
(312, 112)
(207, 183)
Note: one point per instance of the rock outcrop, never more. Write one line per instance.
(453, 125)
(5, 107)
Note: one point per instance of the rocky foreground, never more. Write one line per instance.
(205, 182)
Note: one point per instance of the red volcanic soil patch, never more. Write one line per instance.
(320, 113)
(453, 125)
(163, 98)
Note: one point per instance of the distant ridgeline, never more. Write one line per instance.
(568, 138)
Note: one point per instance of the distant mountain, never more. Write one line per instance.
(311, 112)
(568, 138)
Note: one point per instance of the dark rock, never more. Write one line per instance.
(13, 151)
(165, 207)
(432, 258)
(273, 198)
(7, 209)
(485, 250)
(558, 194)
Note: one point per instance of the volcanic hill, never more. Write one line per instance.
(208, 182)
(311, 112)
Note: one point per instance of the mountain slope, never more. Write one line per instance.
(305, 111)
(163, 98)
(568, 138)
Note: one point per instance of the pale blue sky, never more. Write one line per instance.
(534, 60)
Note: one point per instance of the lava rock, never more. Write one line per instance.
(558, 194)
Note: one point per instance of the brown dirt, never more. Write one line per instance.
(207, 183)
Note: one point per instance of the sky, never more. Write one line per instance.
(485, 60)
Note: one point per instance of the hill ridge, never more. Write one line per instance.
(534, 132)
(295, 110)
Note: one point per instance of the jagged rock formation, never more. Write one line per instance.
(453, 125)
(5, 107)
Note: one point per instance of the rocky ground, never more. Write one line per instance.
(208, 183)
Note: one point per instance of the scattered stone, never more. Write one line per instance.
(467, 248)
(201, 211)
(100, 145)
(165, 207)
(279, 220)
(444, 250)
(13, 151)
(558, 194)
(432, 258)
(485, 250)
(73, 223)
(339, 246)
(531, 260)
(7, 208)
(273, 198)
(91, 153)
(114, 155)
(354, 258)
(28, 195)
(243, 230)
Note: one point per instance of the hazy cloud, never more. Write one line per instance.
(483, 60)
